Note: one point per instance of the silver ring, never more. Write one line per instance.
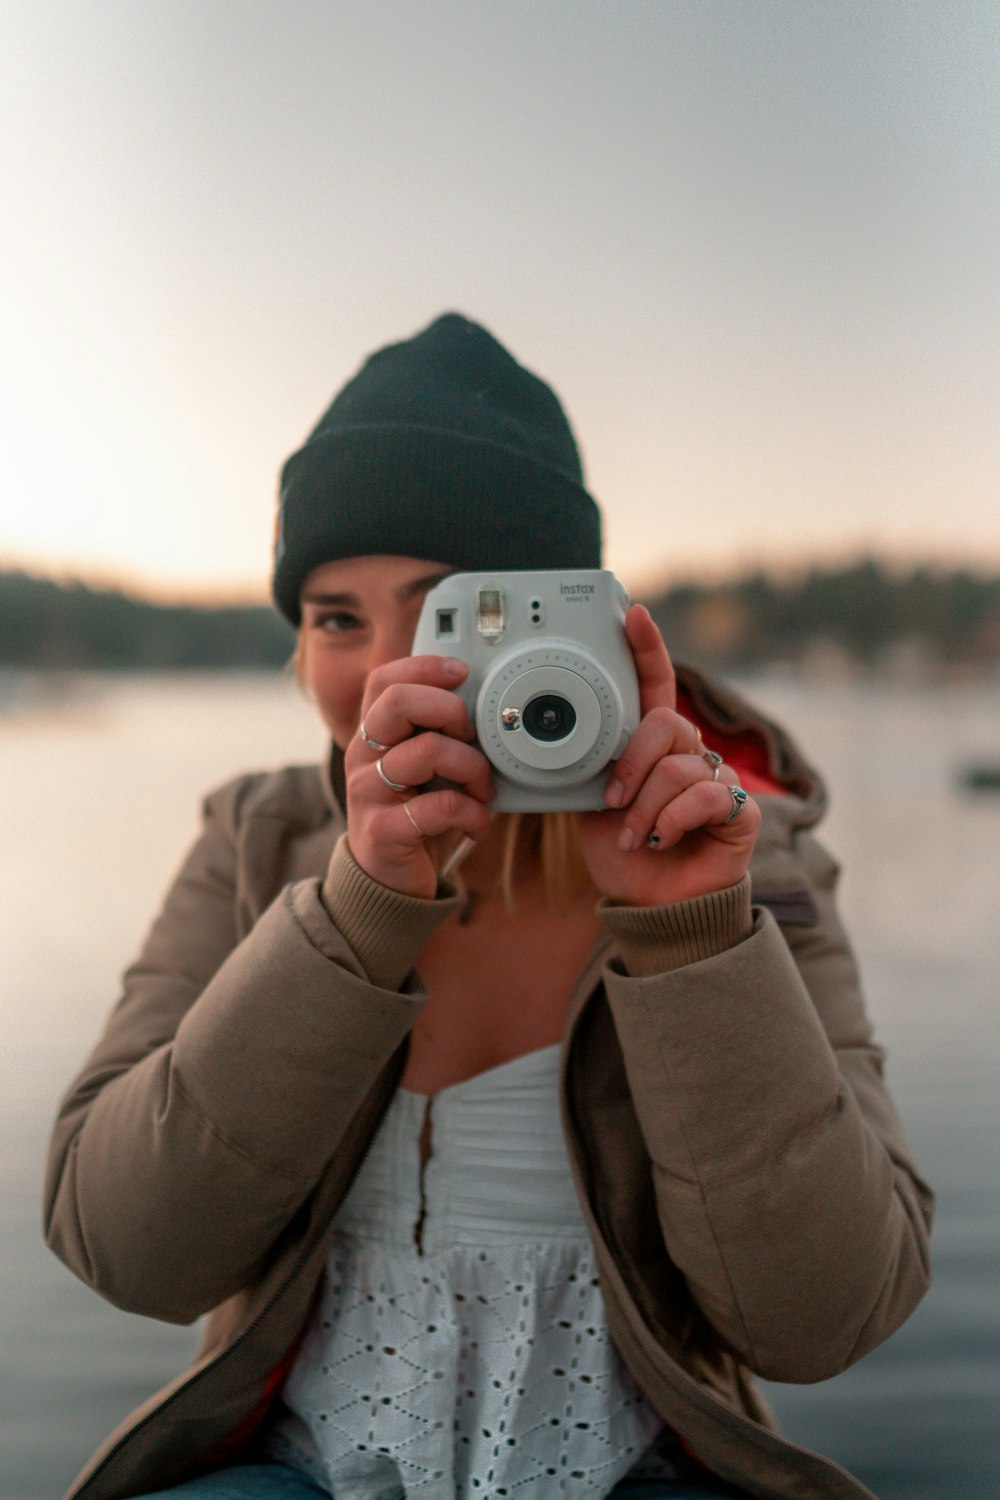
(740, 800)
(420, 832)
(369, 741)
(394, 786)
(714, 759)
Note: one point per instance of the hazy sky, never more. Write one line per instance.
(754, 245)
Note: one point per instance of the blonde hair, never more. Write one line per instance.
(549, 842)
(544, 842)
(296, 663)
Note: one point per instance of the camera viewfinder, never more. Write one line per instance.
(444, 625)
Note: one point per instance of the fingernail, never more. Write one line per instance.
(453, 667)
(614, 792)
(626, 840)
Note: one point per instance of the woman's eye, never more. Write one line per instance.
(338, 622)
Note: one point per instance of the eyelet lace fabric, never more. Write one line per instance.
(460, 1347)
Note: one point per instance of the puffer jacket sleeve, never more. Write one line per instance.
(786, 1193)
(225, 1078)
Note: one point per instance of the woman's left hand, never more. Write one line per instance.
(670, 833)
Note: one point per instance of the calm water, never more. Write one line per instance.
(98, 797)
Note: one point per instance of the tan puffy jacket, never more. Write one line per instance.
(750, 1196)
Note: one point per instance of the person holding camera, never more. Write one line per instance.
(500, 1150)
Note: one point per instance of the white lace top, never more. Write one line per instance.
(460, 1347)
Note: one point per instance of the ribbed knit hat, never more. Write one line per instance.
(441, 447)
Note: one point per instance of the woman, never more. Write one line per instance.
(326, 1111)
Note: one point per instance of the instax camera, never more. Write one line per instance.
(551, 689)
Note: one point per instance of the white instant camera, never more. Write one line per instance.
(551, 689)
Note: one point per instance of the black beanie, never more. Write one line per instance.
(441, 447)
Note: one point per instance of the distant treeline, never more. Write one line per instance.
(73, 626)
(864, 615)
(868, 615)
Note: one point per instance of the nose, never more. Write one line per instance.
(389, 644)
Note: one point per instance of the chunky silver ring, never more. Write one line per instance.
(420, 832)
(369, 741)
(394, 786)
(740, 800)
(714, 759)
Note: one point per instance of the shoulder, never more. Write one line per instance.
(297, 796)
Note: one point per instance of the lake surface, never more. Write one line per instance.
(99, 787)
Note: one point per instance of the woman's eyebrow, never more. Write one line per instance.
(404, 593)
(421, 585)
(350, 600)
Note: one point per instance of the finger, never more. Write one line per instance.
(424, 757)
(706, 806)
(657, 684)
(667, 779)
(432, 814)
(434, 671)
(404, 707)
(662, 732)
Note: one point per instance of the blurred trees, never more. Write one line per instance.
(865, 616)
(46, 624)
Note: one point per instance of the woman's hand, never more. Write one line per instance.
(673, 835)
(415, 729)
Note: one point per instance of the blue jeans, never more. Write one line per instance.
(279, 1482)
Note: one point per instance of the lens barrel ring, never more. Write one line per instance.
(565, 674)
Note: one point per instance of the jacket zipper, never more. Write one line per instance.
(424, 1147)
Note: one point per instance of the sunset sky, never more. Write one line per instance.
(754, 246)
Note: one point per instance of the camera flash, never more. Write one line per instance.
(489, 614)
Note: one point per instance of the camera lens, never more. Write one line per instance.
(549, 717)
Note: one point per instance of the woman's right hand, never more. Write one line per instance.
(402, 838)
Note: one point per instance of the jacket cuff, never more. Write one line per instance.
(386, 930)
(656, 939)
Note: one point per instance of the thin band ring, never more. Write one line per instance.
(714, 759)
(394, 786)
(417, 828)
(375, 745)
(740, 800)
